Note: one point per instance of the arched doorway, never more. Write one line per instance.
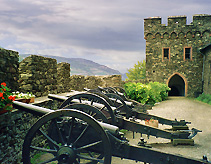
(178, 85)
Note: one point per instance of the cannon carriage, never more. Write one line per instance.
(72, 136)
(120, 113)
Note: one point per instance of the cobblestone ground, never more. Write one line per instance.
(198, 113)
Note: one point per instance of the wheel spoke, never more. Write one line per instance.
(115, 100)
(102, 108)
(119, 108)
(70, 130)
(81, 135)
(48, 138)
(59, 132)
(43, 149)
(90, 158)
(94, 114)
(89, 145)
(92, 101)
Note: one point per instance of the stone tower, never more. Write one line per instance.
(172, 52)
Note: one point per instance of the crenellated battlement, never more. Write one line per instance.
(177, 25)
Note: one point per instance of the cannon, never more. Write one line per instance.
(121, 99)
(71, 136)
(116, 116)
(120, 92)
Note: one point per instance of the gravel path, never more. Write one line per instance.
(198, 113)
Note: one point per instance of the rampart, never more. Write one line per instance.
(41, 76)
(177, 27)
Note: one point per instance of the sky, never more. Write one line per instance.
(108, 32)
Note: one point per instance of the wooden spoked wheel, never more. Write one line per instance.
(66, 136)
(94, 100)
(120, 105)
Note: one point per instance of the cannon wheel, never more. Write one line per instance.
(90, 110)
(120, 105)
(121, 90)
(107, 89)
(71, 146)
(91, 98)
(101, 94)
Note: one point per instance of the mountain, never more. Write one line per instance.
(81, 66)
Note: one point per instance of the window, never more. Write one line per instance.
(166, 54)
(187, 53)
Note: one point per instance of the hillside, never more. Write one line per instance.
(81, 66)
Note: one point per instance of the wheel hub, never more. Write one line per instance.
(66, 155)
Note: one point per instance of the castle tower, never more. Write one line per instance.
(172, 52)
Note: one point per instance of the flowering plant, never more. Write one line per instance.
(6, 98)
(19, 95)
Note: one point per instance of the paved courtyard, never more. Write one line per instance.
(198, 113)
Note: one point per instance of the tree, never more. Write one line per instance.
(138, 72)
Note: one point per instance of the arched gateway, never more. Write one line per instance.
(178, 85)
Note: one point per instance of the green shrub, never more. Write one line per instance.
(147, 93)
(206, 98)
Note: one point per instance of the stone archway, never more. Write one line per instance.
(178, 85)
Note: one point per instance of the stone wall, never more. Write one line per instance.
(79, 82)
(13, 129)
(38, 75)
(176, 36)
(207, 69)
(42, 75)
(63, 77)
(9, 68)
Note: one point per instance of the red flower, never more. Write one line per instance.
(12, 98)
(3, 98)
(4, 84)
(1, 94)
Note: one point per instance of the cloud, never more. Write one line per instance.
(108, 32)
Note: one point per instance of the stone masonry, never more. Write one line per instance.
(38, 75)
(206, 51)
(63, 77)
(173, 40)
(9, 68)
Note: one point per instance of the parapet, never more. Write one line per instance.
(177, 24)
(177, 20)
(201, 19)
(152, 21)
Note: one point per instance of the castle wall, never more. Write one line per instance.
(207, 70)
(9, 68)
(176, 36)
(42, 75)
(38, 75)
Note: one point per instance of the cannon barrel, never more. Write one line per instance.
(40, 111)
(139, 115)
(36, 110)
